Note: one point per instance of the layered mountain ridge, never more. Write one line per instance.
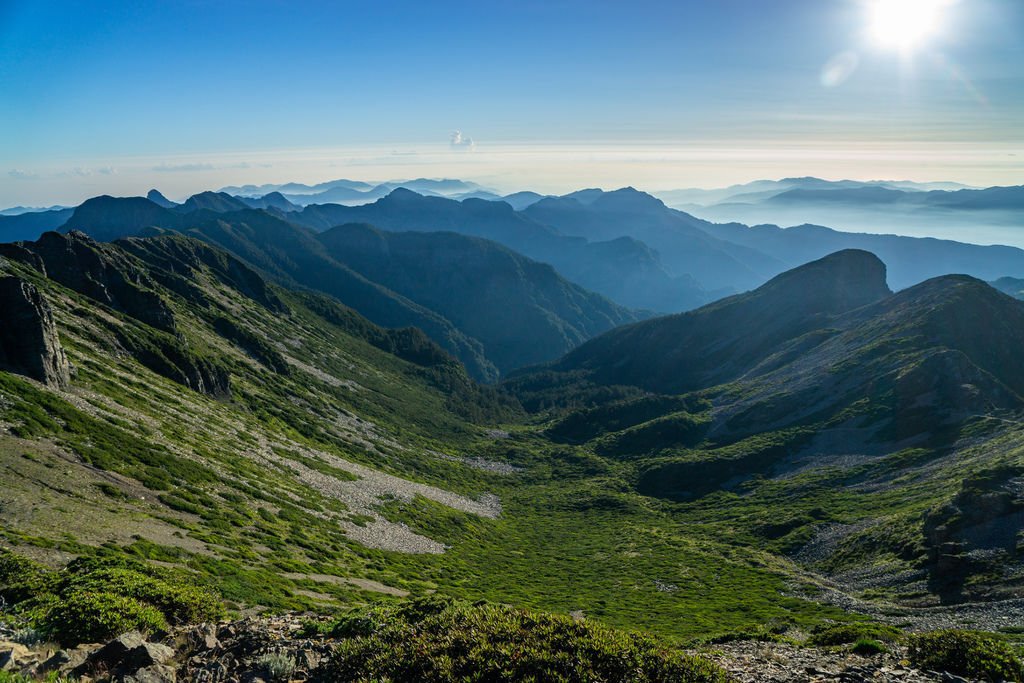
(818, 436)
(821, 378)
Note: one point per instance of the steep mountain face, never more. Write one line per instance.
(721, 341)
(423, 280)
(486, 290)
(29, 344)
(105, 274)
(682, 241)
(97, 271)
(628, 272)
(817, 339)
(910, 260)
(929, 357)
(293, 255)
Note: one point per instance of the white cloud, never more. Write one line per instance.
(175, 168)
(85, 172)
(460, 141)
(19, 174)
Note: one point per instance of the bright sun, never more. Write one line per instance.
(905, 24)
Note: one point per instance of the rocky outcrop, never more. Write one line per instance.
(29, 344)
(95, 270)
(130, 657)
(174, 259)
(170, 357)
(976, 532)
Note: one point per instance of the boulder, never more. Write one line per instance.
(14, 657)
(126, 655)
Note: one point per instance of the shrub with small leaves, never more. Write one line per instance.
(440, 641)
(277, 666)
(21, 578)
(868, 647)
(100, 597)
(179, 603)
(966, 653)
(844, 634)
(96, 616)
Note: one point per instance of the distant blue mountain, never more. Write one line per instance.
(30, 225)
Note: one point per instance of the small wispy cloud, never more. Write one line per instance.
(85, 172)
(183, 168)
(19, 174)
(460, 141)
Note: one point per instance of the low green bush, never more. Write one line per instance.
(277, 666)
(868, 647)
(93, 617)
(966, 653)
(96, 598)
(844, 634)
(22, 579)
(452, 642)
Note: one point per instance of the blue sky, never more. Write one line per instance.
(119, 96)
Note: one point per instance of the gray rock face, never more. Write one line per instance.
(130, 657)
(97, 271)
(29, 344)
(14, 656)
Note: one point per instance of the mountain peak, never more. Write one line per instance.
(218, 202)
(403, 194)
(628, 199)
(106, 218)
(159, 199)
(839, 282)
(723, 340)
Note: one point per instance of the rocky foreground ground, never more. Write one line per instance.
(276, 649)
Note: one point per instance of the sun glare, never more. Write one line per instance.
(905, 24)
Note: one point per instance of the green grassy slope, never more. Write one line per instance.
(330, 470)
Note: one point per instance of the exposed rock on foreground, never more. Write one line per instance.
(269, 649)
